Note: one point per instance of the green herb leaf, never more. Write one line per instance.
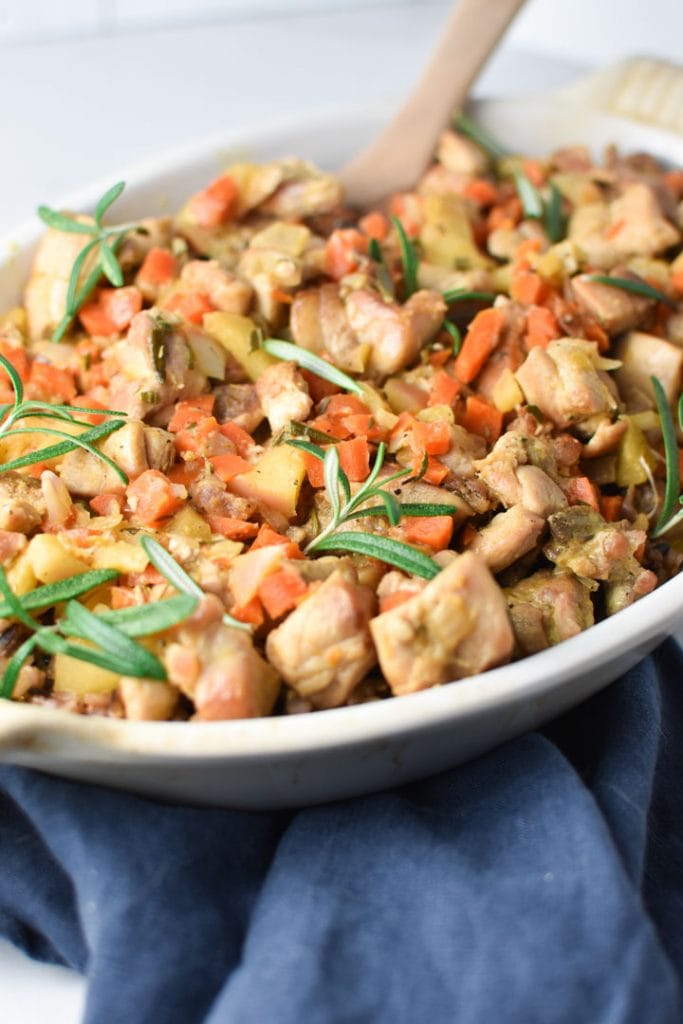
(392, 507)
(309, 361)
(409, 259)
(145, 619)
(553, 218)
(375, 251)
(331, 472)
(130, 658)
(466, 126)
(628, 284)
(110, 265)
(14, 666)
(63, 222)
(67, 445)
(74, 278)
(310, 433)
(455, 335)
(308, 446)
(109, 197)
(409, 509)
(15, 380)
(529, 196)
(673, 483)
(393, 552)
(466, 295)
(14, 604)
(54, 593)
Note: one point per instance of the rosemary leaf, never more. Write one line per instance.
(455, 335)
(109, 197)
(672, 487)
(75, 275)
(407, 509)
(15, 380)
(310, 433)
(130, 658)
(393, 552)
(53, 593)
(332, 472)
(63, 222)
(67, 445)
(375, 251)
(145, 619)
(110, 265)
(409, 258)
(392, 508)
(553, 218)
(14, 666)
(465, 295)
(16, 607)
(308, 446)
(466, 126)
(629, 284)
(309, 361)
(529, 196)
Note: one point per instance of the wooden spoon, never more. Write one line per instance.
(396, 159)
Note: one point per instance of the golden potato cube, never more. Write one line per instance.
(275, 480)
(51, 560)
(236, 334)
(121, 556)
(75, 676)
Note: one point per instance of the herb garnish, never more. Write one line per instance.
(384, 280)
(290, 352)
(166, 564)
(529, 196)
(409, 259)
(465, 295)
(455, 334)
(393, 552)
(553, 217)
(637, 287)
(25, 409)
(466, 126)
(672, 490)
(104, 243)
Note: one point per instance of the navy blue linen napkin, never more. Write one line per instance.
(540, 884)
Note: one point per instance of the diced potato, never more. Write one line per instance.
(275, 480)
(506, 393)
(643, 356)
(633, 453)
(20, 575)
(189, 523)
(435, 414)
(404, 396)
(50, 560)
(21, 444)
(289, 238)
(557, 262)
(236, 333)
(209, 356)
(446, 236)
(75, 676)
(120, 555)
(147, 700)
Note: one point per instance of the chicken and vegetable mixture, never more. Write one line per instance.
(275, 455)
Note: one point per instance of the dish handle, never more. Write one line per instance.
(641, 88)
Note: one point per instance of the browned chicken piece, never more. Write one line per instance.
(155, 366)
(305, 192)
(605, 439)
(615, 309)
(547, 608)
(283, 395)
(22, 505)
(394, 333)
(460, 155)
(457, 626)
(210, 497)
(414, 492)
(395, 582)
(217, 667)
(583, 543)
(238, 403)
(320, 324)
(323, 648)
(631, 225)
(643, 356)
(564, 382)
(147, 700)
(135, 447)
(225, 291)
(508, 536)
(522, 470)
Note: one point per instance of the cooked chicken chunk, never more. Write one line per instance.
(395, 333)
(547, 608)
(283, 394)
(323, 648)
(507, 537)
(643, 356)
(147, 700)
(319, 323)
(134, 447)
(565, 383)
(239, 403)
(460, 155)
(615, 309)
(225, 291)
(22, 505)
(522, 470)
(632, 224)
(457, 626)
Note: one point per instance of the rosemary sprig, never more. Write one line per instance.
(166, 564)
(53, 593)
(465, 295)
(103, 245)
(553, 217)
(667, 518)
(393, 552)
(455, 334)
(409, 259)
(22, 409)
(529, 196)
(480, 136)
(408, 508)
(636, 287)
(384, 278)
(292, 353)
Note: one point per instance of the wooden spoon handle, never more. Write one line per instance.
(395, 160)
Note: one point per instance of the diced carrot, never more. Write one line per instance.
(185, 473)
(123, 597)
(534, 171)
(251, 612)
(233, 529)
(345, 405)
(318, 387)
(375, 225)
(196, 436)
(481, 418)
(481, 191)
(52, 382)
(190, 411)
(107, 504)
(36, 468)
(281, 591)
(192, 306)
(149, 577)
(401, 428)
(580, 490)
(407, 206)
(239, 437)
(152, 496)
(433, 532)
(110, 310)
(342, 251)
(354, 459)
(610, 507)
(362, 424)
(541, 327)
(594, 332)
(440, 356)
(435, 473)
(504, 215)
(158, 267)
(228, 466)
(676, 281)
(467, 536)
(394, 600)
(482, 338)
(92, 403)
(216, 203)
(279, 295)
(443, 389)
(17, 356)
(524, 251)
(432, 438)
(528, 287)
(267, 537)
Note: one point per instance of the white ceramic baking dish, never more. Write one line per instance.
(290, 761)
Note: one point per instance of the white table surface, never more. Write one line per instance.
(82, 109)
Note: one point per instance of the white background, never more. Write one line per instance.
(89, 86)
